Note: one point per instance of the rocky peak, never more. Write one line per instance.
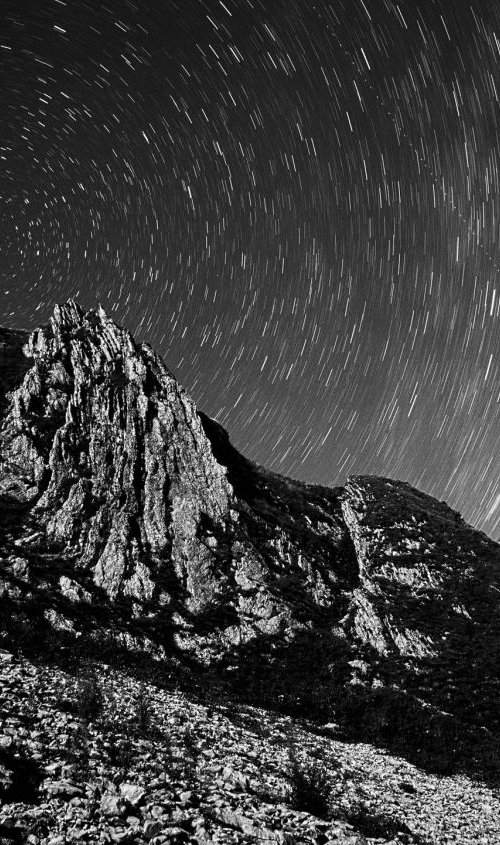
(109, 464)
(131, 518)
(110, 454)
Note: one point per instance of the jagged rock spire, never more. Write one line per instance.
(124, 500)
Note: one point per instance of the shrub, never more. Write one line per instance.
(374, 825)
(310, 788)
(90, 698)
(20, 775)
(190, 745)
(78, 753)
(121, 752)
(143, 710)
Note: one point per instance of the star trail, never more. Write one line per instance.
(296, 203)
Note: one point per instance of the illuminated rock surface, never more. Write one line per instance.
(134, 533)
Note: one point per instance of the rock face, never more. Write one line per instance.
(107, 465)
(129, 516)
(427, 606)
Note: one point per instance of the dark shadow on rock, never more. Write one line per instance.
(268, 501)
(44, 624)
(13, 363)
(11, 835)
(308, 679)
(297, 678)
(21, 776)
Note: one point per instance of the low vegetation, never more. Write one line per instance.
(310, 788)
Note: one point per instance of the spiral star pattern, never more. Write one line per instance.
(296, 203)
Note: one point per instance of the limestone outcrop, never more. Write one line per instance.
(109, 478)
(129, 518)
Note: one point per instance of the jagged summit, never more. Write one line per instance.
(129, 518)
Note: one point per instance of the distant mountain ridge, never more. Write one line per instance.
(129, 518)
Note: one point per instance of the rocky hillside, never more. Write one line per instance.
(116, 498)
(132, 531)
(105, 758)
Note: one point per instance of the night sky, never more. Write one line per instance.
(296, 203)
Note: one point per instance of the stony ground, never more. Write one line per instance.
(102, 757)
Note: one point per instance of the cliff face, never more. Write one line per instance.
(108, 475)
(129, 515)
(427, 606)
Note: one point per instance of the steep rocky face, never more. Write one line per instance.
(110, 480)
(13, 362)
(107, 449)
(427, 606)
(128, 515)
(410, 560)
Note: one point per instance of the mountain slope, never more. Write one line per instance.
(106, 459)
(131, 523)
(155, 765)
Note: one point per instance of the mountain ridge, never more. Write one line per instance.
(131, 522)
